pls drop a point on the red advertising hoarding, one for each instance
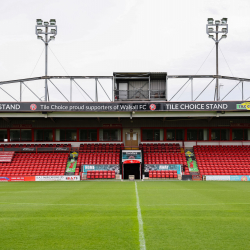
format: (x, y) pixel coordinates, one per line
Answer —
(17, 178)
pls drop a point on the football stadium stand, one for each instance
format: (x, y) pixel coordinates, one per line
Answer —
(35, 164)
(223, 160)
(138, 134)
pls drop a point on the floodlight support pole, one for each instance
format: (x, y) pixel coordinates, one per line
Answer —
(217, 66)
(217, 40)
(46, 62)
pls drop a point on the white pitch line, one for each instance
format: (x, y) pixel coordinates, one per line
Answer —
(141, 233)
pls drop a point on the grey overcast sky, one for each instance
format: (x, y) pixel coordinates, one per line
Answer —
(99, 37)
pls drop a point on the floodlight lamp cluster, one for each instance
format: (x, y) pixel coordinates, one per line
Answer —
(46, 28)
(217, 23)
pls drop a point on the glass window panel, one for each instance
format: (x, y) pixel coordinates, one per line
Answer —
(15, 135)
(93, 134)
(26, 135)
(48, 135)
(179, 134)
(83, 133)
(43, 135)
(88, 134)
(156, 134)
(67, 134)
(135, 136)
(215, 134)
(200, 135)
(110, 134)
(171, 134)
(70, 134)
(224, 134)
(246, 134)
(3, 134)
(192, 134)
(127, 136)
(62, 134)
(237, 134)
(38, 135)
(147, 135)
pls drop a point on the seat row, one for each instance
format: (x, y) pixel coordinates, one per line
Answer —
(160, 158)
(162, 174)
(98, 158)
(159, 145)
(221, 146)
(100, 174)
(6, 156)
(31, 173)
(22, 170)
(96, 162)
(40, 155)
(101, 147)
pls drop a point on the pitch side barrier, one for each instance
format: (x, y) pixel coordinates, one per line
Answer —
(226, 177)
(40, 178)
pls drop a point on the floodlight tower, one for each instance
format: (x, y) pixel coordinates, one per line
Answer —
(43, 29)
(210, 30)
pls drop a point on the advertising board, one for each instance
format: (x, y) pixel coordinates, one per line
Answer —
(239, 177)
(58, 178)
(148, 167)
(111, 167)
(218, 177)
(228, 177)
(16, 178)
(123, 106)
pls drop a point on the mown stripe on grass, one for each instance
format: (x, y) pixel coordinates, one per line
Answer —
(113, 205)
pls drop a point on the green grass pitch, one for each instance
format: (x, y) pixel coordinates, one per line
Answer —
(103, 215)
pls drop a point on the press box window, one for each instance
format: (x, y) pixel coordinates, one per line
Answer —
(220, 134)
(175, 134)
(43, 135)
(66, 134)
(241, 134)
(197, 134)
(110, 134)
(152, 134)
(88, 134)
(20, 135)
(3, 135)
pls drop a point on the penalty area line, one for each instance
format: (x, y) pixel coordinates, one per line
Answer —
(141, 233)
